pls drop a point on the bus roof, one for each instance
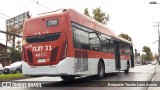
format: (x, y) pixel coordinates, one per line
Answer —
(97, 25)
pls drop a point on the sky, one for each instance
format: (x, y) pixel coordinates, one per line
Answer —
(133, 17)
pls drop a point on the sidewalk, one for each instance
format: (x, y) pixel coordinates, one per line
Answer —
(156, 77)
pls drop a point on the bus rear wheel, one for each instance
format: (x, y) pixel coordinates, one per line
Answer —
(101, 70)
(68, 78)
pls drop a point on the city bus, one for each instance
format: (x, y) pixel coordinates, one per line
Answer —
(69, 44)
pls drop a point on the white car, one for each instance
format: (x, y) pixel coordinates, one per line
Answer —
(1, 68)
(154, 62)
(15, 67)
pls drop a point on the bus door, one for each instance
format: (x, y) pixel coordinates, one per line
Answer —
(117, 55)
(132, 56)
(81, 62)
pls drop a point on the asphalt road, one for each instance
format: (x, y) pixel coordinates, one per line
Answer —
(139, 73)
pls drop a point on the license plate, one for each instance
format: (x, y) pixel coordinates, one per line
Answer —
(41, 60)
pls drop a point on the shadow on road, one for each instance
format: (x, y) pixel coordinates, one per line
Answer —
(82, 82)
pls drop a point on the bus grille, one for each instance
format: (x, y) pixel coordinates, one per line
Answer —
(30, 57)
(45, 38)
(54, 54)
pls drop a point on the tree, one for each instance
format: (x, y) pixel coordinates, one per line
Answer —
(146, 49)
(149, 55)
(18, 46)
(12, 39)
(14, 55)
(143, 57)
(156, 57)
(86, 12)
(125, 36)
(98, 15)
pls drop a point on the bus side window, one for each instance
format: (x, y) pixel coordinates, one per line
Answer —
(106, 44)
(128, 51)
(122, 48)
(94, 40)
(112, 46)
(80, 38)
(125, 48)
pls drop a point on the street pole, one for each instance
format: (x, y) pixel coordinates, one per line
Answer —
(5, 59)
(158, 25)
(154, 2)
(158, 44)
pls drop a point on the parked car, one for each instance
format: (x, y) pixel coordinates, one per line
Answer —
(154, 62)
(149, 62)
(15, 67)
(144, 63)
(1, 68)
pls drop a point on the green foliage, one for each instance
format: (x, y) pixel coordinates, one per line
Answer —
(147, 50)
(125, 36)
(11, 76)
(156, 57)
(143, 57)
(16, 30)
(15, 55)
(98, 15)
(18, 46)
(86, 12)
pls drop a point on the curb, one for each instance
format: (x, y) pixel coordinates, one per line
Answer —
(153, 79)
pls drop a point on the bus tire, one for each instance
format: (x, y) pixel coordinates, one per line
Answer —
(101, 69)
(68, 78)
(128, 66)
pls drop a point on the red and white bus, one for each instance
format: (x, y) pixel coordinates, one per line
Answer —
(69, 44)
